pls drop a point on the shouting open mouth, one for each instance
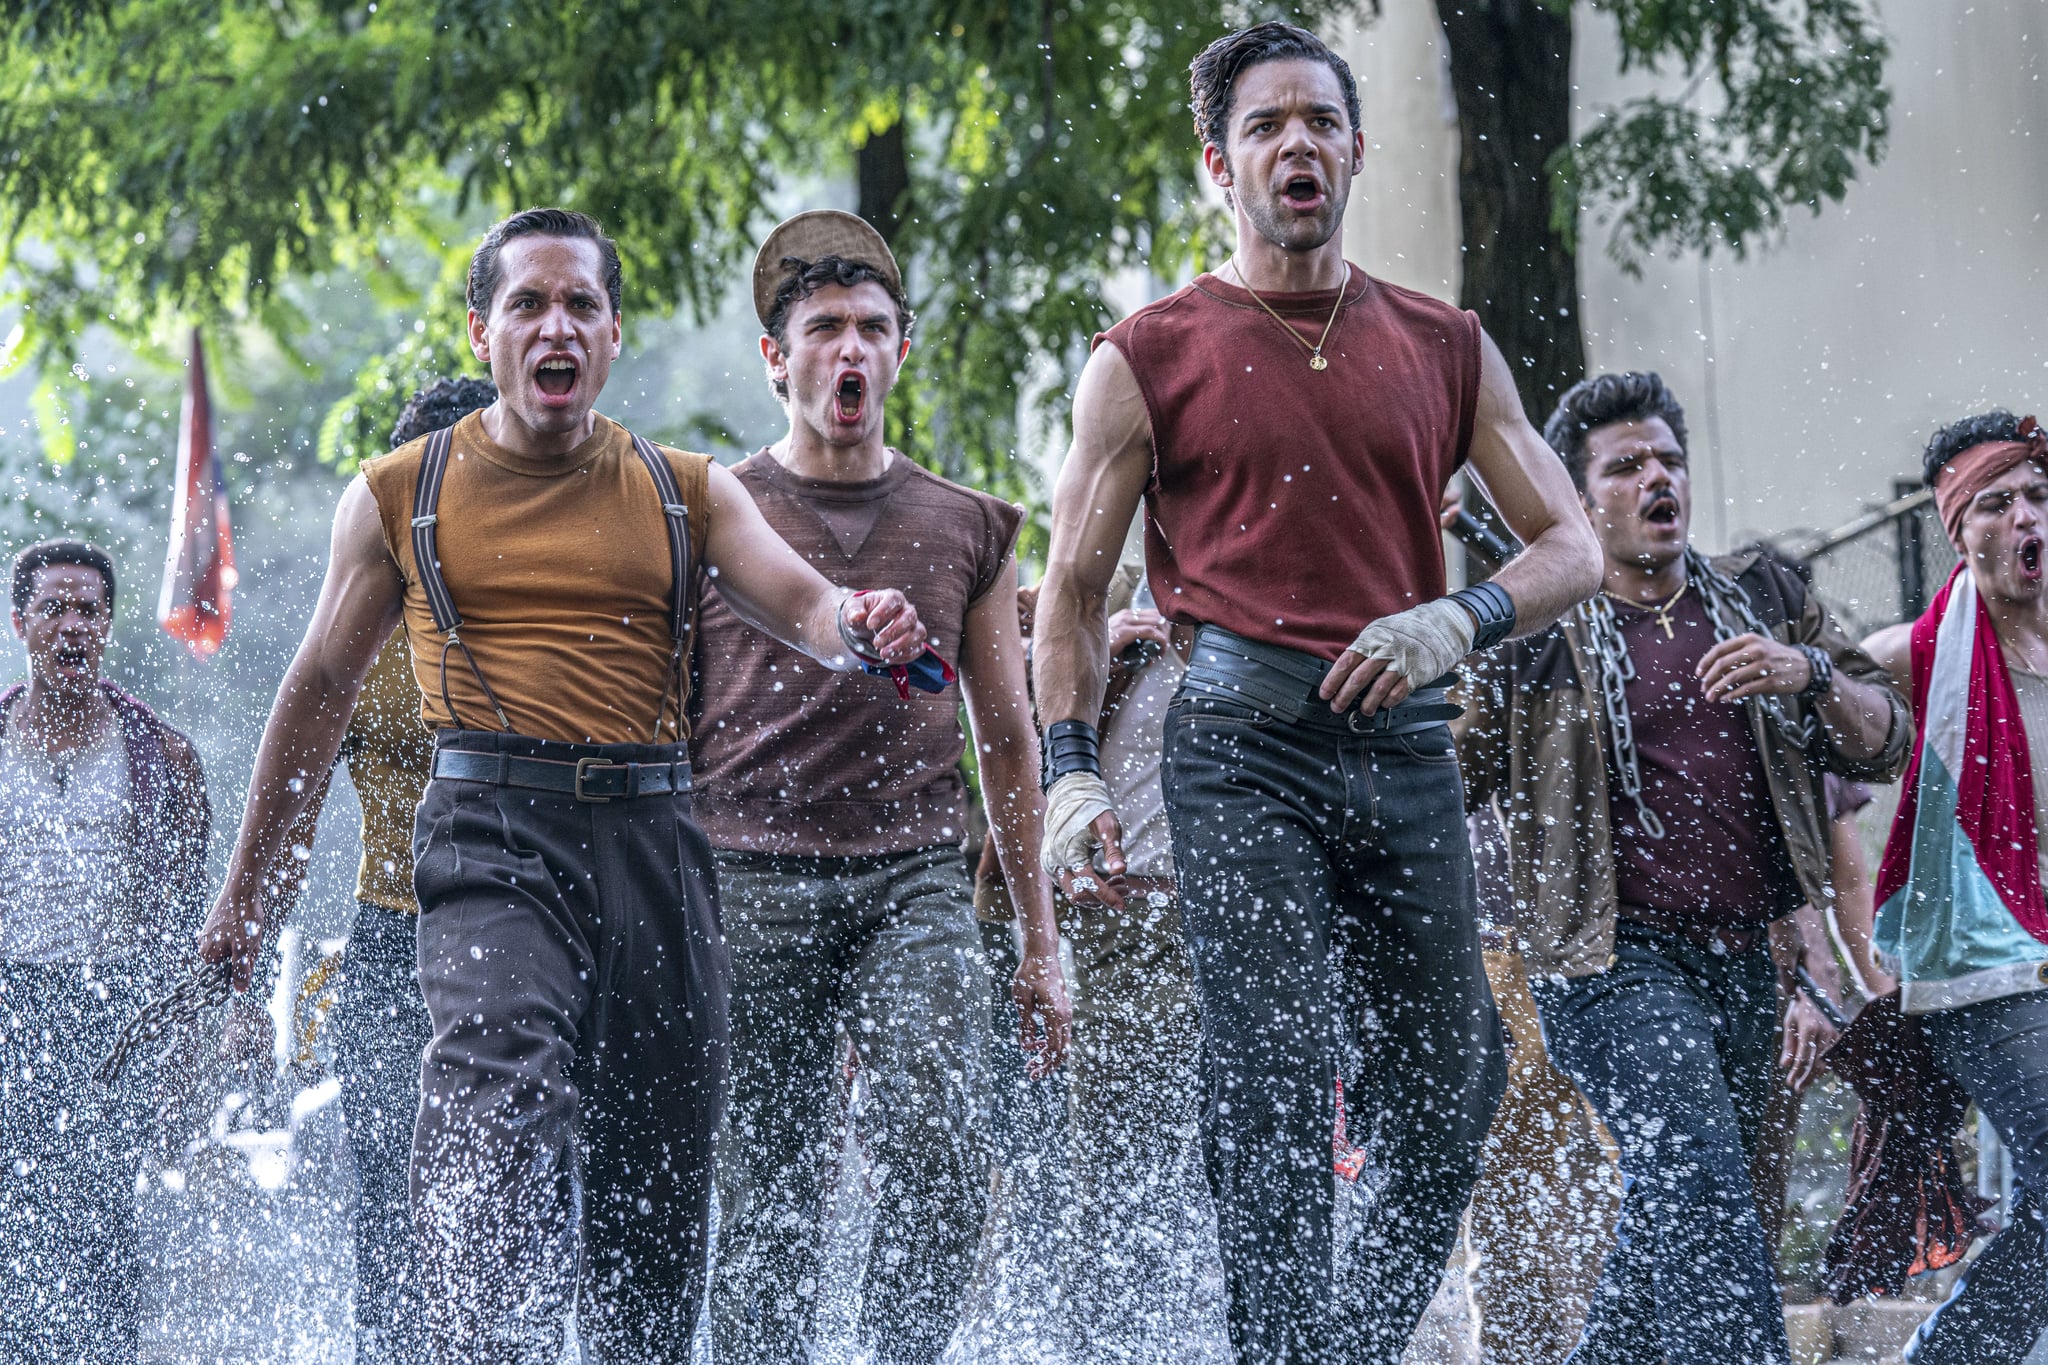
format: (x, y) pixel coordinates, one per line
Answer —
(1303, 193)
(555, 376)
(2030, 559)
(849, 396)
(1661, 510)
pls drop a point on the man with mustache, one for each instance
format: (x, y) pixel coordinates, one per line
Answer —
(1961, 910)
(1657, 757)
(838, 812)
(544, 562)
(1290, 424)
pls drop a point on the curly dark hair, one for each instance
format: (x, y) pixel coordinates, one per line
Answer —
(1957, 437)
(485, 277)
(1606, 398)
(1212, 76)
(806, 278)
(47, 554)
(440, 404)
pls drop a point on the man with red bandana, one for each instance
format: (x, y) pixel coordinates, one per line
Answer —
(1960, 910)
(544, 562)
(837, 809)
(1290, 424)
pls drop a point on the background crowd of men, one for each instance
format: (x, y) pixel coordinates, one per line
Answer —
(670, 833)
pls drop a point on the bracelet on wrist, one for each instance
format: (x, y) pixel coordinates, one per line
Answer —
(1493, 613)
(1823, 669)
(1069, 746)
(866, 653)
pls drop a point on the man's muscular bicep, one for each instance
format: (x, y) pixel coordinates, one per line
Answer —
(1105, 473)
(363, 596)
(1527, 483)
(767, 584)
(1522, 476)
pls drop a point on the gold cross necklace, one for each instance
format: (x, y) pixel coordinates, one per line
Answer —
(1661, 612)
(1315, 352)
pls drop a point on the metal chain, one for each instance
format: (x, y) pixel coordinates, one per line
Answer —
(204, 988)
(1731, 613)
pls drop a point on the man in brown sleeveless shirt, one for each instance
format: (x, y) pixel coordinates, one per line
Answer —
(569, 946)
(1291, 423)
(838, 814)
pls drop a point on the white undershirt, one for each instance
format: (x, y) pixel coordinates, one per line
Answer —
(64, 853)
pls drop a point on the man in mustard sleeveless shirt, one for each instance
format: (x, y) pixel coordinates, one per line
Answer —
(569, 946)
(1291, 424)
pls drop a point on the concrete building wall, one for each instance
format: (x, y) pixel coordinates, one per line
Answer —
(1814, 369)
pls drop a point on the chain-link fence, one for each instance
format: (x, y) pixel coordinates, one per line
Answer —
(1883, 567)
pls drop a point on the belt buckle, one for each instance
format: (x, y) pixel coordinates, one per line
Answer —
(1362, 724)
(584, 766)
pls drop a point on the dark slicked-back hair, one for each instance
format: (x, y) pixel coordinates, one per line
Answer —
(442, 403)
(1957, 437)
(1212, 77)
(45, 554)
(805, 278)
(484, 275)
(1590, 403)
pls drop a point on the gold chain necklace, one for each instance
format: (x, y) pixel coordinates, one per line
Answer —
(1315, 352)
(1662, 613)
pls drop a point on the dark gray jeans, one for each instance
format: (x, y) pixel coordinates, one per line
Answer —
(571, 961)
(1674, 1047)
(69, 1153)
(381, 1030)
(1998, 1050)
(886, 949)
(1326, 886)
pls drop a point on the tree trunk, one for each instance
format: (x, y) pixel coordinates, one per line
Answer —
(1511, 66)
(882, 167)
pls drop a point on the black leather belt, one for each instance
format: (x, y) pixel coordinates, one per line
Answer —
(586, 779)
(1283, 682)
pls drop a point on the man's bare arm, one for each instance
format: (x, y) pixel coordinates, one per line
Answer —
(359, 605)
(773, 589)
(1099, 487)
(1006, 753)
(1528, 486)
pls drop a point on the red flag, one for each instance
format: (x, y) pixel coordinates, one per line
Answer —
(199, 568)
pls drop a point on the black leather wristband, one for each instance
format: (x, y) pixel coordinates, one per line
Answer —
(1070, 746)
(1492, 610)
(1823, 672)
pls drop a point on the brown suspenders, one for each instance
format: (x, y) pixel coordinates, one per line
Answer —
(427, 561)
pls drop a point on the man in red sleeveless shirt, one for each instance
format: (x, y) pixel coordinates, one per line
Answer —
(1291, 423)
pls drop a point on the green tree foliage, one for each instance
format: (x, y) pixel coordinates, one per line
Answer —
(167, 160)
(1794, 98)
(1781, 101)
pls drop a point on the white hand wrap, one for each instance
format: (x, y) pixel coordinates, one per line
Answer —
(1422, 643)
(1071, 809)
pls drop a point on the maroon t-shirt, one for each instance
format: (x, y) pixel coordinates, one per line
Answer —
(1722, 860)
(1288, 504)
(791, 757)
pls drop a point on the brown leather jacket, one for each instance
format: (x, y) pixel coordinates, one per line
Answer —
(1533, 736)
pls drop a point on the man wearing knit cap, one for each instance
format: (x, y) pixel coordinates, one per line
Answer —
(1960, 905)
(1291, 423)
(838, 811)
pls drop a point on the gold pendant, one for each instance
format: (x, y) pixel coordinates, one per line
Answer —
(1316, 362)
(1664, 620)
